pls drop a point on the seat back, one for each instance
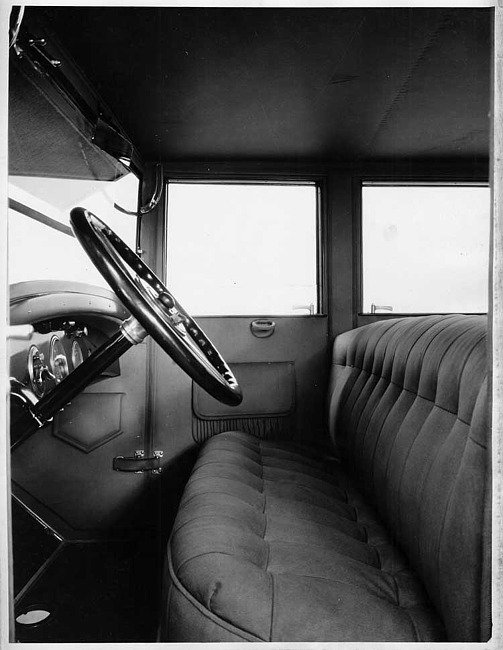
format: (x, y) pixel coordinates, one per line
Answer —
(409, 415)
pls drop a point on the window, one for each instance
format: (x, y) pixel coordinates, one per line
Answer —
(425, 249)
(41, 243)
(243, 249)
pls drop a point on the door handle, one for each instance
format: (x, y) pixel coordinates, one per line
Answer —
(262, 328)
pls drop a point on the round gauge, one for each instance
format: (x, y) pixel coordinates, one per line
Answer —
(77, 354)
(58, 360)
(35, 368)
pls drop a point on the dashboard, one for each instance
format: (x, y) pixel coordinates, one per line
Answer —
(70, 322)
(52, 353)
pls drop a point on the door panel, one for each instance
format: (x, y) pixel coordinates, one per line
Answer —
(268, 389)
(291, 365)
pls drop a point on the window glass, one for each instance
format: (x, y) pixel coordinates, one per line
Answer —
(41, 251)
(425, 249)
(236, 249)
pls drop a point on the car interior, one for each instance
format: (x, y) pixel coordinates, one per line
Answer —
(250, 336)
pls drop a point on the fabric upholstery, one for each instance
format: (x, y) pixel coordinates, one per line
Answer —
(412, 423)
(383, 541)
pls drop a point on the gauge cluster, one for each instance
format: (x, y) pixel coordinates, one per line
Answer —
(51, 354)
(55, 350)
(49, 362)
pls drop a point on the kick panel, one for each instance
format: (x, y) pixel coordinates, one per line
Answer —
(91, 420)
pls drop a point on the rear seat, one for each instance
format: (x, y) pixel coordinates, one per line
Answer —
(388, 541)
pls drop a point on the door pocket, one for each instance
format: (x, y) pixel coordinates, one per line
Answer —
(267, 406)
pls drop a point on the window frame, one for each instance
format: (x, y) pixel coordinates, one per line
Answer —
(317, 180)
(362, 317)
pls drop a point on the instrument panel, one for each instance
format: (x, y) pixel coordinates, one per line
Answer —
(53, 352)
(51, 360)
(55, 349)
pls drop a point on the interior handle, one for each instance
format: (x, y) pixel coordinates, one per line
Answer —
(374, 308)
(262, 328)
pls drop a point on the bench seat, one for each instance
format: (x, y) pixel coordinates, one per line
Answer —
(383, 538)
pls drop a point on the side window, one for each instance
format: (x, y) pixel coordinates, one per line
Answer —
(243, 249)
(425, 249)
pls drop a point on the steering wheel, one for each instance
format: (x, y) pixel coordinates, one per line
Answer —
(156, 309)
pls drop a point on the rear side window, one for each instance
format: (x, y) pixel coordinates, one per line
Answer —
(425, 249)
(243, 249)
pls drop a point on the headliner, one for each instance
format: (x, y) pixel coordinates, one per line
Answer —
(341, 84)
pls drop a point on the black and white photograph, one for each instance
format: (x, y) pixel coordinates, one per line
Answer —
(252, 327)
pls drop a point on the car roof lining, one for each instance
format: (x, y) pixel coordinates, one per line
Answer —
(287, 84)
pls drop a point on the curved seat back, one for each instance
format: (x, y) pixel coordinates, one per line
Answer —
(409, 414)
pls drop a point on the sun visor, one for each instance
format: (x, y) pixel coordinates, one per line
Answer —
(56, 120)
(44, 142)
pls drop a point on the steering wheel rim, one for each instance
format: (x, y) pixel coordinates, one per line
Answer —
(156, 309)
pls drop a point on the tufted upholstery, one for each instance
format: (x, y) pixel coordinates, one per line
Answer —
(385, 540)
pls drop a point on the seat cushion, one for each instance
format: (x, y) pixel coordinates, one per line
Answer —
(274, 543)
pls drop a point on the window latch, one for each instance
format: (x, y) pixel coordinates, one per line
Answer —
(374, 308)
(309, 308)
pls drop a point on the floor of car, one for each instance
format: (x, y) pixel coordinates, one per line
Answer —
(105, 592)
